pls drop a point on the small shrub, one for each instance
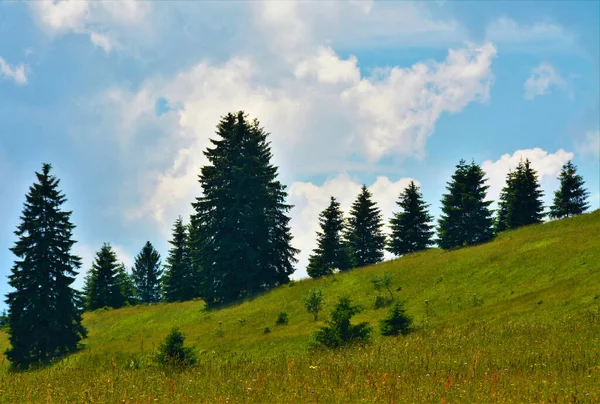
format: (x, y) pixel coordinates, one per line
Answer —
(266, 330)
(314, 302)
(383, 283)
(171, 351)
(397, 321)
(291, 283)
(340, 331)
(282, 318)
(381, 301)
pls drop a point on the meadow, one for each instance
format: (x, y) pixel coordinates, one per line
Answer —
(514, 320)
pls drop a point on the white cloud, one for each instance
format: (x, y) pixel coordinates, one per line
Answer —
(546, 164)
(16, 73)
(310, 199)
(542, 78)
(589, 144)
(101, 21)
(328, 68)
(505, 30)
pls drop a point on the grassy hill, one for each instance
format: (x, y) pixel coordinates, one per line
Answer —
(514, 320)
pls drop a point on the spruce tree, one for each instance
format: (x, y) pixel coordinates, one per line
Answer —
(241, 232)
(102, 284)
(44, 318)
(571, 198)
(179, 282)
(521, 199)
(410, 227)
(466, 218)
(364, 234)
(126, 284)
(146, 274)
(331, 252)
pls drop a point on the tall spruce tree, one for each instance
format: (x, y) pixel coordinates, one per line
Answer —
(466, 218)
(410, 227)
(102, 284)
(126, 284)
(571, 198)
(241, 232)
(332, 252)
(521, 199)
(146, 274)
(180, 283)
(364, 234)
(44, 319)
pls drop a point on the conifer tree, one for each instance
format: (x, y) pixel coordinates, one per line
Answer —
(44, 319)
(571, 198)
(410, 227)
(179, 282)
(331, 252)
(126, 284)
(146, 274)
(364, 234)
(466, 218)
(241, 232)
(102, 286)
(521, 199)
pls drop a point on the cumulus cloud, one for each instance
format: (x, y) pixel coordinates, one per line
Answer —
(15, 73)
(99, 20)
(542, 78)
(546, 164)
(310, 199)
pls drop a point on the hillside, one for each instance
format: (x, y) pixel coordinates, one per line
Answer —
(526, 305)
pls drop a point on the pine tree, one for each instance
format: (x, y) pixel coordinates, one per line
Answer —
(44, 319)
(521, 199)
(364, 234)
(466, 218)
(127, 285)
(102, 284)
(571, 198)
(241, 229)
(410, 227)
(146, 274)
(179, 282)
(331, 252)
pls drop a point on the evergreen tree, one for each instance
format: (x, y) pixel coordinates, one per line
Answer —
(521, 199)
(102, 286)
(364, 234)
(146, 274)
(241, 229)
(331, 252)
(571, 198)
(466, 218)
(410, 227)
(44, 319)
(179, 282)
(127, 285)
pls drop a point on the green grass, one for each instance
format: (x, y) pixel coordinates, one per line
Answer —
(514, 320)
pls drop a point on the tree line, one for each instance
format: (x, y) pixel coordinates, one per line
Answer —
(238, 241)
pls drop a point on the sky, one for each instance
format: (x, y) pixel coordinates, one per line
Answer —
(122, 97)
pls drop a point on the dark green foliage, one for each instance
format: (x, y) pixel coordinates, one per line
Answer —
(314, 302)
(466, 218)
(521, 199)
(410, 227)
(381, 284)
(397, 322)
(266, 330)
(171, 351)
(180, 281)
(102, 282)
(364, 234)
(44, 318)
(282, 318)
(331, 252)
(571, 198)
(146, 274)
(340, 331)
(127, 285)
(241, 238)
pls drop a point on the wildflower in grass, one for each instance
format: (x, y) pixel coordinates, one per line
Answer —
(313, 367)
(428, 374)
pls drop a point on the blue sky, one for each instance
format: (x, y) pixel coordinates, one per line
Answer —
(122, 97)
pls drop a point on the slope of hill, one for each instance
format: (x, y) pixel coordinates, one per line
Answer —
(517, 319)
